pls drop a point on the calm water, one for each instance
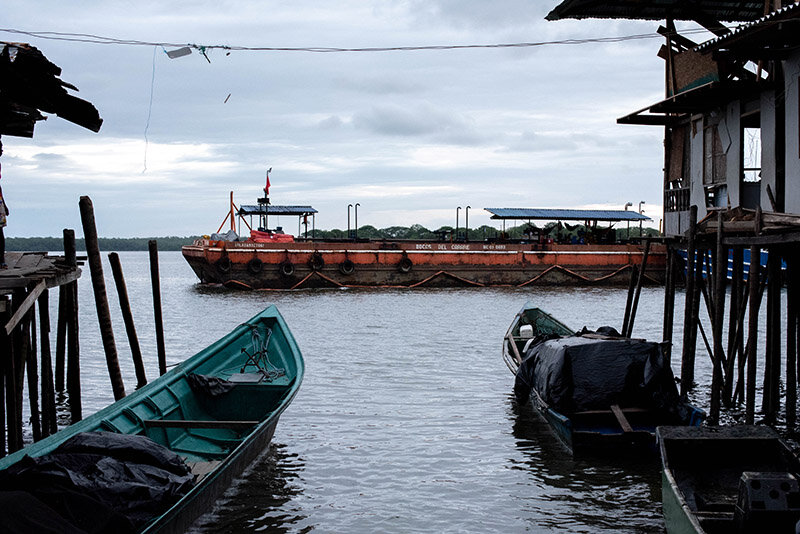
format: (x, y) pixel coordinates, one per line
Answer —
(405, 421)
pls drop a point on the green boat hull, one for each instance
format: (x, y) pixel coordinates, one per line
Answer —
(218, 436)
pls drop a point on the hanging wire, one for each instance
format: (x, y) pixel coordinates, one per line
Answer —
(100, 39)
(149, 109)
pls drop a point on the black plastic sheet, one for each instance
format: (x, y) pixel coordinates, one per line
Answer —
(580, 373)
(94, 482)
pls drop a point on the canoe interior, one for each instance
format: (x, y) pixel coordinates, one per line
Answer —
(703, 469)
(543, 324)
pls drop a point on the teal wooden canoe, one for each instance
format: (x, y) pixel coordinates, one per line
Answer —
(601, 393)
(217, 410)
(728, 479)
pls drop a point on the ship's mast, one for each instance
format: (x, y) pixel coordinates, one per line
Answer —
(263, 204)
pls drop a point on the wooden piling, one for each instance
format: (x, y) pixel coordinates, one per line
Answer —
(101, 297)
(669, 302)
(127, 316)
(33, 375)
(72, 328)
(639, 283)
(791, 341)
(754, 275)
(61, 337)
(4, 342)
(156, 283)
(49, 419)
(720, 275)
(772, 363)
(689, 328)
(629, 300)
(735, 336)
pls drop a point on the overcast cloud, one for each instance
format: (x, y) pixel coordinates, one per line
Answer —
(408, 135)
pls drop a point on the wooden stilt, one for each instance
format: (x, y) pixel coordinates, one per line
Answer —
(156, 283)
(629, 301)
(127, 316)
(689, 328)
(752, 334)
(33, 375)
(772, 364)
(720, 272)
(639, 283)
(49, 421)
(669, 302)
(791, 343)
(5, 351)
(101, 297)
(734, 330)
(61, 337)
(73, 345)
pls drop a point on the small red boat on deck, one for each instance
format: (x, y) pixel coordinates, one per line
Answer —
(271, 259)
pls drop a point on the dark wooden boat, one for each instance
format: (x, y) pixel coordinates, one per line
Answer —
(728, 479)
(217, 433)
(601, 393)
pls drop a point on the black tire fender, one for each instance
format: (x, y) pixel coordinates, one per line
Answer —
(286, 268)
(347, 267)
(255, 266)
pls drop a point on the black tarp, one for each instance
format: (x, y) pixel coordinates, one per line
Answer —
(94, 482)
(580, 373)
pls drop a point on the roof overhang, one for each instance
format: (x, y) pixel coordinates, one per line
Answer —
(699, 99)
(276, 210)
(545, 214)
(696, 10)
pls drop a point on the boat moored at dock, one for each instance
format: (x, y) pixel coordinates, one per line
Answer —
(204, 421)
(601, 393)
(728, 479)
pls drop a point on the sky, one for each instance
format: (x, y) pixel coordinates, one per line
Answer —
(409, 135)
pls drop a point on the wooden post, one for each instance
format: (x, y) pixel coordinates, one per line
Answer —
(629, 302)
(734, 322)
(5, 349)
(49, 419)
(689, 328)
(33, 375)
(772, 364)
(791, 342)
(669, 302)
(127, 315)
(754, 277)
(19, 353)
(61, 337)
(72, 327)
(156, 283)
(639, 283)
(720, 276)
(100, 297)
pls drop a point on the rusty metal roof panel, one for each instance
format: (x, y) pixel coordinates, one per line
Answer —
(565, 214)
(721, 10)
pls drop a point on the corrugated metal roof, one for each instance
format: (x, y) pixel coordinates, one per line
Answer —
(277, 210)
(790, 11)
(720, 10)
(565, 214)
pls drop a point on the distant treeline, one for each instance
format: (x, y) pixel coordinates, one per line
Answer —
(564, 232)
(54, 244)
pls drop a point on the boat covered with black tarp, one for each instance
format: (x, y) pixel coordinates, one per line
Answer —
(599, 391)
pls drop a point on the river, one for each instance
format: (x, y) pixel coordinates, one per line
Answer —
(405, 421)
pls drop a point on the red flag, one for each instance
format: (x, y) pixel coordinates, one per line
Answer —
(266, 189)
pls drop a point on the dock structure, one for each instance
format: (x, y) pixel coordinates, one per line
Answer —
(731, 183)
(30, 88)
(25, 286)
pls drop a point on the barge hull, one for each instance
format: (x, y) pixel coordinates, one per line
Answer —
(416, 264)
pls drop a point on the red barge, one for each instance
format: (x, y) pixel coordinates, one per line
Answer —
(273, 260)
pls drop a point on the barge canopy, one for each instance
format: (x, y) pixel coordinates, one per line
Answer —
(530, 214)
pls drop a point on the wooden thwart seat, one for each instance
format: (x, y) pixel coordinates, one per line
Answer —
(189, 423)
(621, 419)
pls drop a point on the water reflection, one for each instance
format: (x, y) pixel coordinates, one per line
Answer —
(260, 502)
(583, 494)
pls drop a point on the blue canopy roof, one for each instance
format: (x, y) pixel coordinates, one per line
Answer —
(277, 210)
(565, 214)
